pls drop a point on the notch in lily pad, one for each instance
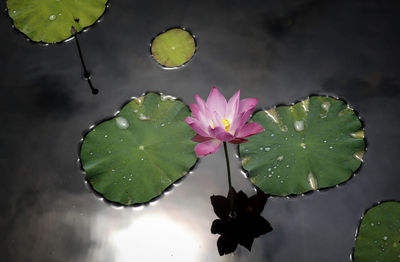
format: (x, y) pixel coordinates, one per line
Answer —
(173, 48)
(378, 237)
(55, 21)
(313, 144)
(135, 156)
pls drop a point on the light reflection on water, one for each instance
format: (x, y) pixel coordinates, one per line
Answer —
(161, 232)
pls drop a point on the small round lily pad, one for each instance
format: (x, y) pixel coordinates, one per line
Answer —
(378, 237)
(51, 21)
(133, 157)
(173, 48)
(316, 143)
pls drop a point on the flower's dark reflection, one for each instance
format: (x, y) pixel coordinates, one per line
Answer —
(242, 225)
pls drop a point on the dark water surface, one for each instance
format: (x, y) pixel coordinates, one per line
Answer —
(277, 51)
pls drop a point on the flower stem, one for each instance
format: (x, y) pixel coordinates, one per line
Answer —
(230, 194)
(86, 73)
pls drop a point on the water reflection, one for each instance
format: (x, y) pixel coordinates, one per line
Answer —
(161, 232)
(244, 226)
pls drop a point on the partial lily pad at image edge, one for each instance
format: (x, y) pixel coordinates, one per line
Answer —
(133, 157)
(50, 21)
(316, 143)
(378, 237)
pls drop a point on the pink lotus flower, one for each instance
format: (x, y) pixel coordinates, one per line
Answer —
(217, 121)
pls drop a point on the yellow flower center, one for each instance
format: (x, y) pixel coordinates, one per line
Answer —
(226, 124)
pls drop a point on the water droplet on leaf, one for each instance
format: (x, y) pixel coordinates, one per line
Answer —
(143, 117)
(326, 106)
(298, 125)
(122, 123)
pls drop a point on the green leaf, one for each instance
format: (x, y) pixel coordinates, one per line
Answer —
(146, 147)
(378, 237)
(50, 21)
(173, 48)
(316, 143)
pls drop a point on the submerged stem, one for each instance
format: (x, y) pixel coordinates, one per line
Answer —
(230, 194)
(86, 73)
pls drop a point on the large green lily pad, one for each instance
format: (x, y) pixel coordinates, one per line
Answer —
(313, 144)
(378, 237)
(50, 21)
(146, 147)
(173, 48)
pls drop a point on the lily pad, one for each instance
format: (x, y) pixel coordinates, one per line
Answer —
(378, 237)
(50, 21)
(173, 48)
(133, 157)
(316, 143)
